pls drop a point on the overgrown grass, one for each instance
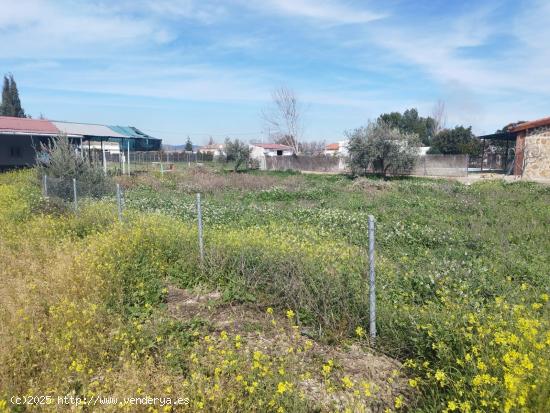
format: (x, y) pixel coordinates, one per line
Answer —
(463, 278)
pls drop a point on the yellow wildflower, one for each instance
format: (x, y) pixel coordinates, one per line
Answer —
(440, 376)
(452, 406)
(347, 382)
(398, 402)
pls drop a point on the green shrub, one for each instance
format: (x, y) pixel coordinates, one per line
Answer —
(61, 163)
(383, 149)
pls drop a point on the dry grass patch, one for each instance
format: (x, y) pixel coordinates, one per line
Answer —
(200, 179)
(330, 377)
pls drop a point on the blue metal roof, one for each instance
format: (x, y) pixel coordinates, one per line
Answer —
(130, 132)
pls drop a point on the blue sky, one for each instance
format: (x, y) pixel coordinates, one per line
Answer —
(206, 67)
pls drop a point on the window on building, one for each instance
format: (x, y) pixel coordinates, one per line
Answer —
(279, 153)
(15, 152)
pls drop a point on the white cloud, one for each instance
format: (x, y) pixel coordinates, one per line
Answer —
(40, 29)
(439, 50)
(206, 12)
(129, 47)
(326, 11)
(191, 82)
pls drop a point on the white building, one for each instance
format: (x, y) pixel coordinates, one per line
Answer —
(109, 147)
(215, 149)
(337, 149)
(261, 150)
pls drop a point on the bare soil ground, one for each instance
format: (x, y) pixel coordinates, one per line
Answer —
(259, 332)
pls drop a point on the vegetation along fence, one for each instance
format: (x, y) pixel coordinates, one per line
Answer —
(151, 161)
(118, 163)
(72, 193)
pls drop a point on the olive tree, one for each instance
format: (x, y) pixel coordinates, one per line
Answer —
(237, 151)
(382, 148)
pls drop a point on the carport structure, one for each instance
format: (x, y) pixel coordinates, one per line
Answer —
(529, 155)
(497, 153)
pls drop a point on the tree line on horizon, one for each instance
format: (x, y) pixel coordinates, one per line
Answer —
(285, 122)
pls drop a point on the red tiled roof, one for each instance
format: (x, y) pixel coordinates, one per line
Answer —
(332, 147)
(531, 124)
(272, 146)
(11, 124)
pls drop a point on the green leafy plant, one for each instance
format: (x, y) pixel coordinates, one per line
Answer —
(382, 148)
(238, 152)
(61, 163)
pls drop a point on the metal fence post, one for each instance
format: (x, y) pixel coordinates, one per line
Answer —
(119, 202)
(45, 186)
(372, 285)
(128, 166)
(75, 196)
(104, 162)
(199, 221)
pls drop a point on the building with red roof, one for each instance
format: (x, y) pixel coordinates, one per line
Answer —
(532, 151)
(337, 149)
(527, 148)
(21, 137)
(11, 125)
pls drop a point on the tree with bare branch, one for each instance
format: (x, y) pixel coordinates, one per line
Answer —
(283, 120)
(439, 115)
(313, 148)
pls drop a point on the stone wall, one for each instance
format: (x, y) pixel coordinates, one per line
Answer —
(537, 154)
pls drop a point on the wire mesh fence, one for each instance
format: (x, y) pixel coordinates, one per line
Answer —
(78, 193)
(125, 163)
(64, 188)
(75, 194)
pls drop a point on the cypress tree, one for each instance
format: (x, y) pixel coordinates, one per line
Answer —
(11, 104)
(188, 145)
(18, 111)
(6, 107)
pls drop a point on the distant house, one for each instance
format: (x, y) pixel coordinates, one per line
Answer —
(216, 150)
(18, 139)
(337, 149)
(261, 150)
(21, 137)
(527, 148)
(112, 148)
(532, 150)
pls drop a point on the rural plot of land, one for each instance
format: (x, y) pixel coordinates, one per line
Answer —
(275, 318)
